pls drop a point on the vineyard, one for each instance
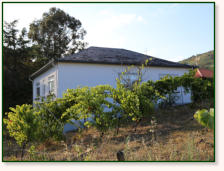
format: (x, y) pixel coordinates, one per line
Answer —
(125, 118)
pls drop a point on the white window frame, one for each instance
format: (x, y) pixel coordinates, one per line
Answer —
(44, 89)
(51, 84)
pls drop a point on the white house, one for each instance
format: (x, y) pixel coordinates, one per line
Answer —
(97, 65)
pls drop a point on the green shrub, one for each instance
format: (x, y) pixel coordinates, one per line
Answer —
(50, 112)
(205, 117)
(109, 107)
(91, 102)
(22, 123)
(165, 88)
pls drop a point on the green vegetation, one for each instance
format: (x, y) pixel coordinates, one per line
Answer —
(35, 132)
(124, 106)
(204, 60)
(24, 52)
(57, 34)
(23, 125)
(205, 117)
(179, 139)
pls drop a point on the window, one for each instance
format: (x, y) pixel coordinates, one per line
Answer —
(51, 86)
(128, 79)
(37, 89)
(44, 89)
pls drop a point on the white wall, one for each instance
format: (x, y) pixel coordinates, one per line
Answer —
(72, 75)
(43, 79)
(155, 73)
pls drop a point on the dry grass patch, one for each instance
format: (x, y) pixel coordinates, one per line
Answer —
(178, 137)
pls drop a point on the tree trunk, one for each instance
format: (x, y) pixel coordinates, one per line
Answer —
(102, 134)
(137, 125)
(118, 126)
(23, 149)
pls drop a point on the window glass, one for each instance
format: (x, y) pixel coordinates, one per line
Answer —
(44, 90)
(51, 84)
(129, 78)
(38, 91)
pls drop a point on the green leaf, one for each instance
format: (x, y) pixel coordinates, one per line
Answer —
(205, 117)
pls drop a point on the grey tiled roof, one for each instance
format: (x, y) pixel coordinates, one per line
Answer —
(102, 55)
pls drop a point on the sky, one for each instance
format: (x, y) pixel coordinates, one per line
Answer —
(171, 31)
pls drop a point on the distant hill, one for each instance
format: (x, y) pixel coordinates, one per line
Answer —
(205, 60)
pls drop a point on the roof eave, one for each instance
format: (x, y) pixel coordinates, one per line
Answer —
(124, 63)
(44, 68)
(53, 62)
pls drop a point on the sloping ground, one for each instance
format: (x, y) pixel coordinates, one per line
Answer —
(205, 60)
(177, 137)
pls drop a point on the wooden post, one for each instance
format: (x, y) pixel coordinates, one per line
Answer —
(120, 156)
(23, 149)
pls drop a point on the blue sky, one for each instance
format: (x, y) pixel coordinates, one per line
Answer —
(170, 31)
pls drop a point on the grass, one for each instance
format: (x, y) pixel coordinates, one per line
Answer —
(177, 137)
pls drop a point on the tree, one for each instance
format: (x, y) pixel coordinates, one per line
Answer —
(17, 66)
(57, 34)
(22, 123)
(136, 98)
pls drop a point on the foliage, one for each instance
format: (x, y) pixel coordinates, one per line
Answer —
(167, 85)
(205, 117)
(50, 111)
(22, 124)
(137, 98)
(110, 107)
(17, 66)
(201, 88)
(32, 152)
(28, 124)
(95, 103)
(128, 101)
(165, 88)
(54, 35)
(105, 107)
(57, 34)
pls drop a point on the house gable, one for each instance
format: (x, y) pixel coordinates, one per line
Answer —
(47, 82)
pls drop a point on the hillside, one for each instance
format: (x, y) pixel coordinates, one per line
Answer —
(205, 60)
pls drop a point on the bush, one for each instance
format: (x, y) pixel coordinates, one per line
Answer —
(200, 88)
(50, 113)
(22, 124)
(165, 88)
(96, 103)
(107, 106)
(205, 117)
